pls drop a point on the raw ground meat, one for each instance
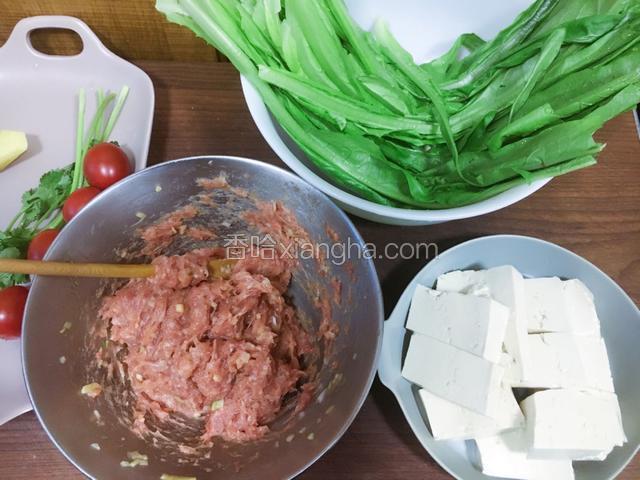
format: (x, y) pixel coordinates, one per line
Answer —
(226, 351)
(229, 353)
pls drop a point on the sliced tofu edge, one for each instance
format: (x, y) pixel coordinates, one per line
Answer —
(450, 421)
(474, 324)
(505, 456)
(546, 411)
(566, 360)
(583, 314)
(546, 309)
(453, 374)
(494, 283)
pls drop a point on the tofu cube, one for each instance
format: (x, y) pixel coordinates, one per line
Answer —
(564, 360)
(474, 324)
(556, 306)
(506, 456)
(449, 421)
(454, 375)
(582, 308)
(546, 307)
(574, 424)
(506, 286)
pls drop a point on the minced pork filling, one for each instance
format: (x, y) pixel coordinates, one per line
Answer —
(227, 351)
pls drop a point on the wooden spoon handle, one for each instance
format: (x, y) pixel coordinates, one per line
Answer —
(63, 269)
(219, 268)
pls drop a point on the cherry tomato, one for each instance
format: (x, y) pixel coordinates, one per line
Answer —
(77, 201)
(12, 302)
(40, 244)
(106, 164)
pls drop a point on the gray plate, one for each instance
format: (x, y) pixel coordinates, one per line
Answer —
(620, 328)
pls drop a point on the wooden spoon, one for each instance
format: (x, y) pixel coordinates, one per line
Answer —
(218, 268)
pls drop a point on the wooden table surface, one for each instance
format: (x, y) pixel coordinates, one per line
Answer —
(595, 212)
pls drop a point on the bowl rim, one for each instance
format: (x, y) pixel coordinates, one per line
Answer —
(260, 114)
(395, 332)
(377, 303)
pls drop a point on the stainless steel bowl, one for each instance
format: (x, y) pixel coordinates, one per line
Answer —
(109, 223)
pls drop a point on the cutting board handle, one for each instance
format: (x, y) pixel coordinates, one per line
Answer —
(19, 41)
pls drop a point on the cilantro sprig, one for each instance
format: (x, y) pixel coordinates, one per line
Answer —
(41, 205)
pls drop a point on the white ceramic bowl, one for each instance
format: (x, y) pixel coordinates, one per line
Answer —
(619, 316)
(426, 28)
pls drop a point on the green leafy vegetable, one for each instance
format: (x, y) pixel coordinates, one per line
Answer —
(12, 245)
(483, 118)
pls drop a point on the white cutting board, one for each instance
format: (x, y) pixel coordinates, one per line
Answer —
(39, 95)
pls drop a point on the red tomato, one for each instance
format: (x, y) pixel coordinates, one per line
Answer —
(106, 164)
(77, 201)
(40, 244)
(12, 302)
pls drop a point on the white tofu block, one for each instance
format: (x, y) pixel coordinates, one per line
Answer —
(567, 423)
(453, 374)
(595, 359)
(505, 456)
(449, 421)
(564, 360)
(582, 309)
(474, 324)
(505, 285)
(546, 308)
(556, 306)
